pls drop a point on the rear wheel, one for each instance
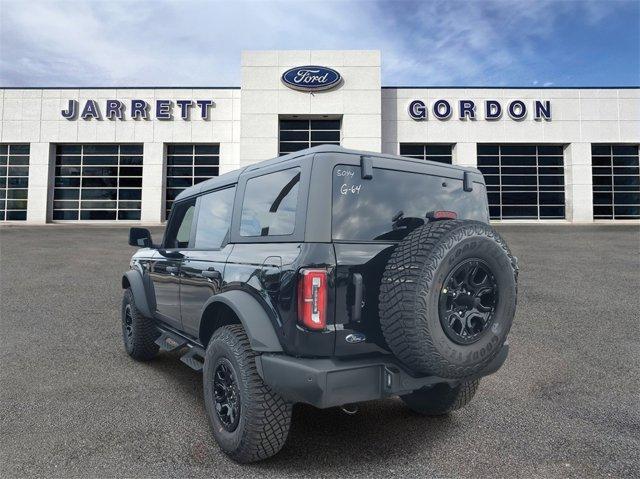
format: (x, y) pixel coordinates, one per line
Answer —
(441, 399)
(139, 333)
(249, 421)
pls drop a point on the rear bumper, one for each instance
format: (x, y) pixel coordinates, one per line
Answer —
(333, 382)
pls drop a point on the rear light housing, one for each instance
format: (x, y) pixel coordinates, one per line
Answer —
(441, 215)
(312, 299)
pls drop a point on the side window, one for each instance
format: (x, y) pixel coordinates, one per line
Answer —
(269, 206)
(214, 218)
(179, 229)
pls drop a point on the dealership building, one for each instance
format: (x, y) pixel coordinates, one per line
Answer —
(123, 154)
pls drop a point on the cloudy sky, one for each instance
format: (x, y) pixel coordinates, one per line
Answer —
(198, 43)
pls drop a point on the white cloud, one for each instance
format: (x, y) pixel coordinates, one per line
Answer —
(198, 43)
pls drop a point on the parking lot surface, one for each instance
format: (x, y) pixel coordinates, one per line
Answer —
(566, 403)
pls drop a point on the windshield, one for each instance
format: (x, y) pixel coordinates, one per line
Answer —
(393, 203)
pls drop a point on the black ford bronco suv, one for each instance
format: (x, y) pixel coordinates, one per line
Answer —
(327, 277)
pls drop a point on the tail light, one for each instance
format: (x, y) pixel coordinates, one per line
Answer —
(312, 298)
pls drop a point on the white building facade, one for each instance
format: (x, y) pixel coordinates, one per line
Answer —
(123, 154)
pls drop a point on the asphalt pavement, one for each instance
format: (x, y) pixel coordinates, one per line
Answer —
(566, 403)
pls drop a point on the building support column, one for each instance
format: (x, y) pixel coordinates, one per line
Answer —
(465, 154)
(578, 183)
(41, 174)
(153, 179)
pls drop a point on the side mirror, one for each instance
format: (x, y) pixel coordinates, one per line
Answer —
(140, 237)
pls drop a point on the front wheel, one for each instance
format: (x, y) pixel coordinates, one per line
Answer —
(139, 333)
(249, 421)
(441, 399)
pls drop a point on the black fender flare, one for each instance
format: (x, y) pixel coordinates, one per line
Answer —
(253, 317)
(136, 283)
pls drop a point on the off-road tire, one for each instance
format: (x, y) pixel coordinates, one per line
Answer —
(410, 292)
(441, 399)
(265, 416)
(140, 335)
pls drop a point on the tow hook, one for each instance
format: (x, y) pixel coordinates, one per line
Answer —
(350, 409)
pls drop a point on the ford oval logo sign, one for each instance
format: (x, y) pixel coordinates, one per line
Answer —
(311, 78)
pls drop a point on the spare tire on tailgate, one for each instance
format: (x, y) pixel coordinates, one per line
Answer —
(448, 297)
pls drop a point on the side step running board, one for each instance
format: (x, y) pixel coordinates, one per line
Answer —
(194, 358)
(168, 341)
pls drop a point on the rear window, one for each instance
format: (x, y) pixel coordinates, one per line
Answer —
(393, 203)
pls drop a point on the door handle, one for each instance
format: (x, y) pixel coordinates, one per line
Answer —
(172, 269)
(212, 274)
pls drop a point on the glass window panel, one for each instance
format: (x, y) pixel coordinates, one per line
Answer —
(629, 211)
(68, 160)
(518, 180)
(488, 161)
(129, 205)
(325, 125)
(206, 160)
(625, 161)
(551, 180)
(552, 212)
(3, 194)
(294, 124)
(16, 182)
(407, 149)
(66, 205)
(494, 212)
(4, 149)
(522, 212)
(601, 150)
(550, 161)
(131, 150)
(178, 231)
(19, 160)
(626, 180)
(512, 198)
(100, 160)
(110, 205)
(180, 171)
(214, 219)
(68, 149)
(173, 160)
(438, 149)
(551, 170)
(602, 198)
(16, 204)
(130, 182)
(19, 149)
(601, 161)
(602, 170)
(205, 171)
(174, 149)
(99, 182)
(131, 160)
(100, 149)
(130, 194)
(518, 160)
(519, 170)
(296, 135)
(179, 182)
(550, 150)
(3, 160)
(99, 171)
(67, 181)
(97, 215)
(212, 149)
(318, 136)
(625, 150)
(66, 194)
(18, 171)
(130, 171)
(528, 150)
(17, 194)
(626, 198)
(99, 194)
(270, 203)
(554, 198)
(16, 215)
(487, 149)
(626, 170)
(129, 215)
(65, 214)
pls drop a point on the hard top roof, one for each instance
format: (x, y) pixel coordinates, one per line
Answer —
(232, 177)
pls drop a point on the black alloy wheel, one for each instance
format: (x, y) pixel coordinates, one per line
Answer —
(227, 395)
(468, 301)
(127, 324)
